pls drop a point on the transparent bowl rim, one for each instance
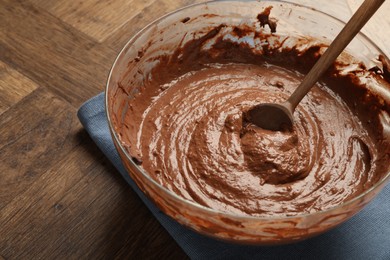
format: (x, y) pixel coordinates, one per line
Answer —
(237, 216)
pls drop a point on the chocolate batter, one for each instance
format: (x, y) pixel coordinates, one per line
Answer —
(186, 127)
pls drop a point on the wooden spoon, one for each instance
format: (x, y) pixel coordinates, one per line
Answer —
(273, 116)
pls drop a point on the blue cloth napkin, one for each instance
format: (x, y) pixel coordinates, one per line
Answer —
(365, 236)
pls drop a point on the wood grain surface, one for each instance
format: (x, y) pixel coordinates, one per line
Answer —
(60, 198)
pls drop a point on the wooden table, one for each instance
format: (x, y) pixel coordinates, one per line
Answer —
(59, 196)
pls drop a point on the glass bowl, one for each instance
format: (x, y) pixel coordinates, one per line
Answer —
(163, 36)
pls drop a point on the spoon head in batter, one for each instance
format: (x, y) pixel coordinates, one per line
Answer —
(271, 116)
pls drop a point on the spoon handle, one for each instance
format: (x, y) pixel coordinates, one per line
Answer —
(357, 21)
